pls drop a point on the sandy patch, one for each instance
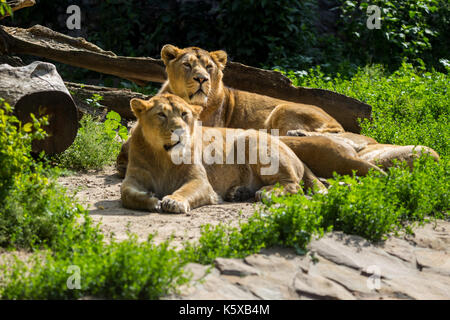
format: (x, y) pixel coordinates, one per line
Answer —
(100, 192)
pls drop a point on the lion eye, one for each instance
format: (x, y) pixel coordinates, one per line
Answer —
(209, 66)
(184, 114)
(162, 115)
(187, 65)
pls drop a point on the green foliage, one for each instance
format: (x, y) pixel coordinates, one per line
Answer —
(372, 207)
(96, 144)
(15, 145)
(410, 106)
(294, 34)
(409, 28)
(34, 209)
(288, 226)
(375, 205)
(5, 8)
(275, 31)
(94, 101)
(118, 270)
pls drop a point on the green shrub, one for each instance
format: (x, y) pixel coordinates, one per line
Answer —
(118, 270)
(5, 8)
(409, 107)
(34, 209)
(96, 145)
(416, 29)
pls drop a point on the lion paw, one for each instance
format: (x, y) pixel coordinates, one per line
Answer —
(238, 193)
(175, 204)
(261, 195)
(154, 205)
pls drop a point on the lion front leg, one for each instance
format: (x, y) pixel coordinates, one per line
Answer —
(134, 196)
(193, 194)
(122, 159)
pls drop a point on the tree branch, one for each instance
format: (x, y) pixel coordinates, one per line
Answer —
(43, 42)
(114, 99)
(17, 5)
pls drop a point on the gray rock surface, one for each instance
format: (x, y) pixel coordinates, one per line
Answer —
(337, 266)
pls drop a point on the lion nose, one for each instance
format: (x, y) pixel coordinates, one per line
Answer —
(179, 131)
(200, 79)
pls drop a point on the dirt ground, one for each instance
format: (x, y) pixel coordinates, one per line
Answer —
(100, 192)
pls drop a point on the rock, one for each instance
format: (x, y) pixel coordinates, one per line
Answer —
(424, 286)
(198, 271)
(267, 288)
(312, 286)
(215, 287)
(356, 253)
(234, 267)
(400, 248)
(349, 278)
(433, 261)
(432, 236)
(344, 267)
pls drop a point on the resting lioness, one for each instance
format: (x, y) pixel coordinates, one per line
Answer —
(196, 76)
(369, 150)
(162, 163)
(323, 155)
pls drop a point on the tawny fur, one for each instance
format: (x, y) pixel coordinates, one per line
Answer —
(383, 155)
(192, 69)
(152, 174)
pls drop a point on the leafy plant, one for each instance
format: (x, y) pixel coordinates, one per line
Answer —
(5, 8)
(34, 209)
(117, 270)
(96, 144)
(409, 28)
(94, 101)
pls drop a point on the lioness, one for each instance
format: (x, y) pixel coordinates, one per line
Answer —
(369, 150)
(196, 76)
(166, 133)
(323, 155)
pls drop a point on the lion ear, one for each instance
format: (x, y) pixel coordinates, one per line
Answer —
(220, 57)
(138, 106)
(196, 110)
(169, 52)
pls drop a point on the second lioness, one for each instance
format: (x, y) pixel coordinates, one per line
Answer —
(158, 167)
(196, 76)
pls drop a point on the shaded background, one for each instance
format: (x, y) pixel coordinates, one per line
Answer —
(287, 34)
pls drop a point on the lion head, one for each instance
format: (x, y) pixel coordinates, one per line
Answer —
(193, 73)
(166, 120)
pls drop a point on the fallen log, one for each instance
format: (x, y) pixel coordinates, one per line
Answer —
(113, 98)
(43, 42)
(17, 5)
(37, 88)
